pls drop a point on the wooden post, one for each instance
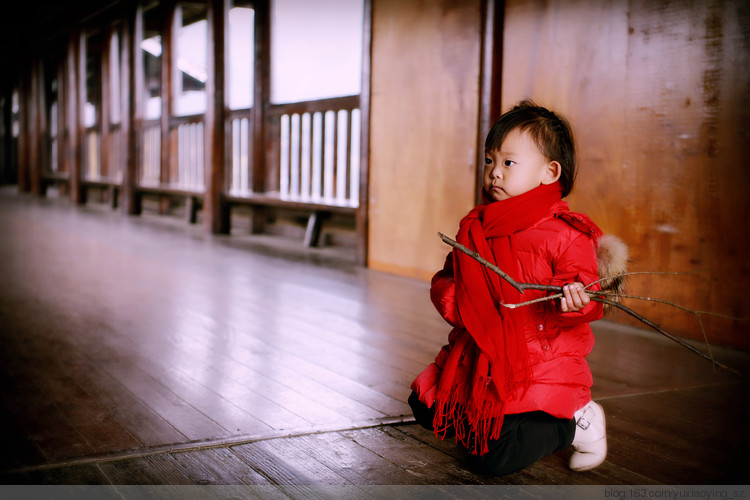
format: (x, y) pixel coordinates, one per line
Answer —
(131, 102)
(105, 104)
(215, 210)
(7, 173)
(73, 112)
(364, 141)
(260, 103)
(77, 80)
(32, 131)
(167, 97)
(314, 226)
(44, 132)
(491, 59)
(62, 120)
(24, 184)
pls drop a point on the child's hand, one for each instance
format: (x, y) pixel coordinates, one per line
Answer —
(574, 297)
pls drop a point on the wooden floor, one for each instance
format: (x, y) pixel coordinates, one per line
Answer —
(139, 351)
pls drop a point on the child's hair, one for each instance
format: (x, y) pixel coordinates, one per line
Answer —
(551, 133)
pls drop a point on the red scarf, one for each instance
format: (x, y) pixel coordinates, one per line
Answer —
(489, 361)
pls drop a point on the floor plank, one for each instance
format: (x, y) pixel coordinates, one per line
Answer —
(149, 470)
(89, 474)
(141, 351)
(285, 464)
(672, 434)
(426, 464)
(218, 466)
(16, 436)
(357, 464)
(140, 420)
(166, 402)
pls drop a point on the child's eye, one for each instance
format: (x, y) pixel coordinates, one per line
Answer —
(509, 163)
(487, 160)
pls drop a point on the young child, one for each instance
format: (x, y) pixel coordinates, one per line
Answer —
(513, 385)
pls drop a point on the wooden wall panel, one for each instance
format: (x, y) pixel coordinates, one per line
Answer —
(658, 95)
(425, 89)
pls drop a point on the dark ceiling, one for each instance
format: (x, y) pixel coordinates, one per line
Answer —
(32, 26)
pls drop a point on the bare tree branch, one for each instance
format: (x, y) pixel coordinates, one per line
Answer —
(597, 296)
(481, 260)
(659, 329)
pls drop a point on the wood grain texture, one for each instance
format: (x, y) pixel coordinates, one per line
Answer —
(657, 95)
(141, 352)
(425, 86)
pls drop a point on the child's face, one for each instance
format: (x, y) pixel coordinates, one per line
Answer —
(517, 167)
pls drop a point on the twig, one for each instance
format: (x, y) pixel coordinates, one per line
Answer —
(533, 301)
(667, 334)
(481, 260)
(705, 338)
(676, 306)
(518, 286)
(595, 295)
(633, 273)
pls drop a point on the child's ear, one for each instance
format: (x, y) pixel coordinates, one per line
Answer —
(552, 172)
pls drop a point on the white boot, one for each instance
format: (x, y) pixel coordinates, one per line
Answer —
(590, 441)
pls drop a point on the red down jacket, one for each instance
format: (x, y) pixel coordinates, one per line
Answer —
(556, 250)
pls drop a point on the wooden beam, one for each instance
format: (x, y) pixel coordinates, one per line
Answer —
(38, 185)
(491, 60)
(215, 210)
(168, 152)
(33, 123)
(79, 194)
(314, 226)
(24, 184)
(261, 97)
(105, 104)
(62, 117)
(8, 171)
(74, 124)
(364, 141)
(131, 101)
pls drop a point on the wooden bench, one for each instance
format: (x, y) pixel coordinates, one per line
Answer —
(318, 212)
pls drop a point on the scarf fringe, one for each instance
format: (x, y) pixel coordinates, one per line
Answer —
(475, 423)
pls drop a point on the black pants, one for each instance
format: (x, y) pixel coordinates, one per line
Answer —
(524, 439)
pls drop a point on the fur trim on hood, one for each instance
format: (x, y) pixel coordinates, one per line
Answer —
(612, 260)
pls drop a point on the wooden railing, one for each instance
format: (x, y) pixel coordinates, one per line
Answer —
(316, 151)
(150, 160)
(314, 155)
(92, 147)
(240, 153)
(114, 162)
(303, 157)
(311, 164)
(103, 166)
(187, 168)
(185, 171)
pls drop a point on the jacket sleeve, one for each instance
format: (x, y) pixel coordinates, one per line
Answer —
(443, 293)
(577, 262)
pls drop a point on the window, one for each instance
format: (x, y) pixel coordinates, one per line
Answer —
(114, 78)
(15, 113)
(240, 52)
(152, 48)
(54, 118)
(92, 108)
(316, 49)
(190, 61)
(93, 80)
